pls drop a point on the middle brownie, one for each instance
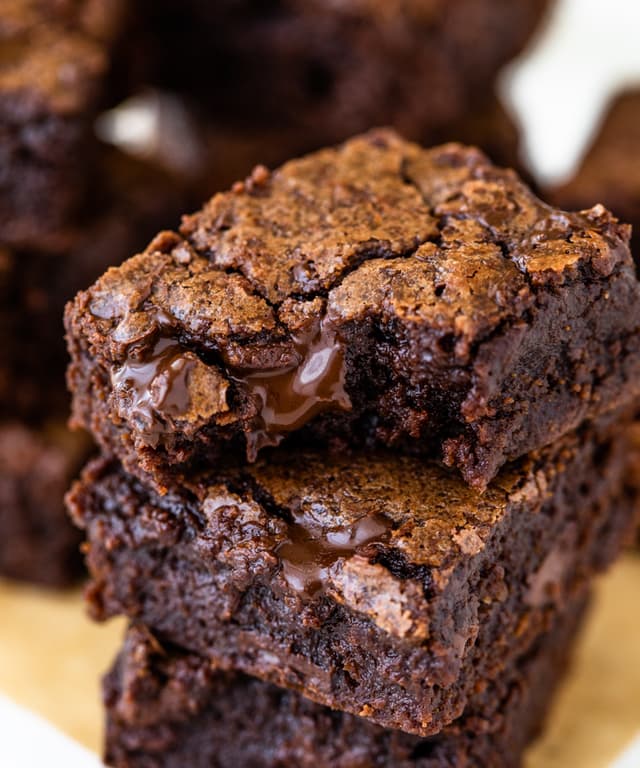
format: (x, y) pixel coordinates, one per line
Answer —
(376, 584)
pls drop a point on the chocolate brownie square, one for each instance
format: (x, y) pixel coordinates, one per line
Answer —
(168, 708)
(54, 73)
(37, 544)
(377, 293)
(610, 172)
(377, 584)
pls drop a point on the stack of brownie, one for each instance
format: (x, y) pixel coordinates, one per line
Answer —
(68, 208)
(365, 432)
(291, 76)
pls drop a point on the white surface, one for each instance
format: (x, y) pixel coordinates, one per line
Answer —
(560, 88)
(631, 757)
(26, 741)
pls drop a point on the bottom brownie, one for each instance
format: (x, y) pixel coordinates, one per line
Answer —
(37, 543)
(168, 708)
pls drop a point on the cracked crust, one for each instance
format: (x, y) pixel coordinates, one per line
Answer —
(454, 304)
(376, 584)
(167, 708)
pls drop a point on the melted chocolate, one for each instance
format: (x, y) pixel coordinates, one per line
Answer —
(156, 385)
(311, 550)
(292, 396)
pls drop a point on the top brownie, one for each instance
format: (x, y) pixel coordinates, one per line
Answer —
(54, 70)
(373, 293)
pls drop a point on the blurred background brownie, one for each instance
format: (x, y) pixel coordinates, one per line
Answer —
(36, 466)
(328, 70)
(610, 172)
(54, 77)
(264, 81)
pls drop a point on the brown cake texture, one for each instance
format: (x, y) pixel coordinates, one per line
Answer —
(376, 293)
(377, 584)
(168, 708)
(610, 171)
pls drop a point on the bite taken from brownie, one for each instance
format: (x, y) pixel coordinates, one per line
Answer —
(375, 583)
(166, 707)
(377, 293)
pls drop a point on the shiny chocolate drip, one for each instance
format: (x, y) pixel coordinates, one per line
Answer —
(311, 550)
(158, 382)
(292, 396)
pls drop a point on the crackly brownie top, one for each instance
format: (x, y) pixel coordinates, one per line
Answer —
(374, 529)
(376, 228)
(52, 52)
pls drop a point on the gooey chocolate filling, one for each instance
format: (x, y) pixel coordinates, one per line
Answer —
(292, 396)
(157, 386)
(311, 550)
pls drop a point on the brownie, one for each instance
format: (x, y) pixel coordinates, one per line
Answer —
(610, 172)
(373, 293)
(326, 70)
(54, 75)
(166, 708)
(37, 544)
(377, 584)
